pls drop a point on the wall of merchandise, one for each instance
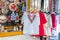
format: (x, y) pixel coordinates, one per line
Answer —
(11, 12)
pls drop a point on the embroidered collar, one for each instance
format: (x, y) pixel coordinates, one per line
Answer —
(31, 17)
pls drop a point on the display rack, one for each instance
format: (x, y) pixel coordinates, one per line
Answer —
(5, 33)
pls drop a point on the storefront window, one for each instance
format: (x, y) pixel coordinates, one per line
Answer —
(11, 12)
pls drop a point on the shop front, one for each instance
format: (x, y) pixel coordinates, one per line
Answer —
(11, 12)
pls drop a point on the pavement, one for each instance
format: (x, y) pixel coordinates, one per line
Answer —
(20, 37)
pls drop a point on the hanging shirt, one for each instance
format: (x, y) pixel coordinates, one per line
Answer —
(13, 16)
(53, 20)
(53, 29)
(0, 5)
(4, 10)
(3, 18)
(42, 22)
(30, 28)
(9, 18)
(23, 9)
(17, 18)
(48, 25)
(58, 23)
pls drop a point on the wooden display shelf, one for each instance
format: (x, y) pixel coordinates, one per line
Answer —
(5, 34)
(8, 27)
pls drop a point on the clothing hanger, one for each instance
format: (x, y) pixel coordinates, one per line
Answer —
(55, 13)
(42, 10)
(48, 13)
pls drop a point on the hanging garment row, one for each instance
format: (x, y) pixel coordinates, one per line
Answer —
(45, 19)
(38, 23)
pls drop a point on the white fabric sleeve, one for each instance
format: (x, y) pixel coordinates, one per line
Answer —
(22, 19)
(46, 24)
(38, 18)
(50, 22)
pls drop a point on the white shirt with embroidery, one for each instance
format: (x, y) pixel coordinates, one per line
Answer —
(48, 25)
(30, 28)
(58, 23)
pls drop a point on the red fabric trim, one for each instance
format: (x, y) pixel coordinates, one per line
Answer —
(53, 20)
